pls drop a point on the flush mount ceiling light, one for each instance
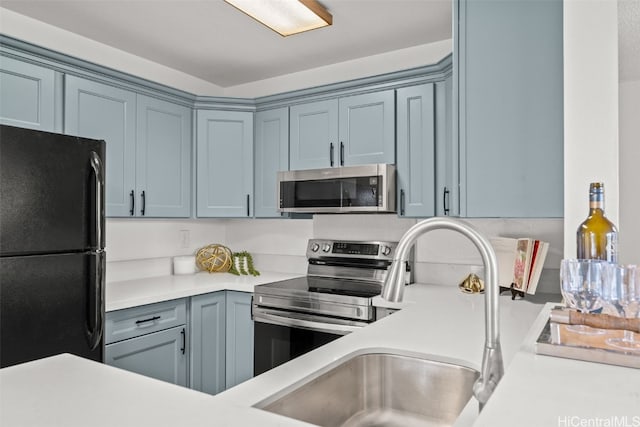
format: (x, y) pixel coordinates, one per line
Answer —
(286, 17)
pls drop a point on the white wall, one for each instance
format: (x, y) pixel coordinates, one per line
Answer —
(590, 110)
(629, 172)
(398, 60)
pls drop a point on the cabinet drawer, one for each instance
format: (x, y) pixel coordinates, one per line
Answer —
(137, 321)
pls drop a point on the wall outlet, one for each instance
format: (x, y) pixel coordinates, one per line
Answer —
(185, 238)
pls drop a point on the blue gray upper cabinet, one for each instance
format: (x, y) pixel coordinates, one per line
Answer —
(416, 151)
(224, 163)
(148, 147)
(352, 130)
(366, 129)
(27, 95)
(509, 60)
(163, 166)
(447, 158)
(271, 156)
(96, 110)
(314, 135)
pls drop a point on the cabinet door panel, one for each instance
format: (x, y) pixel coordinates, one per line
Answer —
(447, 160)
(239, 341)
(163, 167)
(511, 107)
(208, 342)
(367, 128)
(158, 355)
(271, 156)
(225, 163)
(27, 95)
(416, 151)
(314, 127)
(99, 111)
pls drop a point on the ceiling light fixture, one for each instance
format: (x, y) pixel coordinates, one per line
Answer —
(286, 17)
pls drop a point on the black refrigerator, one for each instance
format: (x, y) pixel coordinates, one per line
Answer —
(52, 258)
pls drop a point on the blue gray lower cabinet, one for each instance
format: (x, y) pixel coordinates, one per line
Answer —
(161, 355)
(208, 342)
(239, 342)
(151, 340)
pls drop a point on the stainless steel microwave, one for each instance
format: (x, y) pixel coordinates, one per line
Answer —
(365, 188)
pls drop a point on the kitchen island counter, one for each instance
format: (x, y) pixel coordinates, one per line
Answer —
(436, 320)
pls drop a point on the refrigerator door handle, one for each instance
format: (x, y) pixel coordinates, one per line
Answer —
(94, 336)
(98, 170)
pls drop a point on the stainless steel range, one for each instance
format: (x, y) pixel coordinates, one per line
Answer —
(298, 315)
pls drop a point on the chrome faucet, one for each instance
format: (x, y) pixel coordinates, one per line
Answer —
(492, 366)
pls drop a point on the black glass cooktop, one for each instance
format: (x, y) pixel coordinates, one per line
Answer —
(324, 285)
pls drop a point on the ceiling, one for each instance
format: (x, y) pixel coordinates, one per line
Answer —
(214, 41)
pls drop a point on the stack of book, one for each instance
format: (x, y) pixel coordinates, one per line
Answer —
(520, 262)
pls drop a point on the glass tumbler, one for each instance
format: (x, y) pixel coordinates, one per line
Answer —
(621, 291)
(581, 286)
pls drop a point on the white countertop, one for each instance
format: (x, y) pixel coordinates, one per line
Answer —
(436, 320)
(131, 293)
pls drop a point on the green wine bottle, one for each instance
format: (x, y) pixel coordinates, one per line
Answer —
(597, 237)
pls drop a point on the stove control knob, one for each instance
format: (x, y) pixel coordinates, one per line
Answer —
(315, 247)
(386, 250)
(326, 247)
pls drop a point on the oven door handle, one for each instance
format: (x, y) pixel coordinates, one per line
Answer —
(331, 328)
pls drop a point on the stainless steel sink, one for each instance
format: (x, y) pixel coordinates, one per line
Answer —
(379, 389)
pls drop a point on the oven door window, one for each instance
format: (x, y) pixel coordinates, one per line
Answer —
(275, 344)
(331, 193)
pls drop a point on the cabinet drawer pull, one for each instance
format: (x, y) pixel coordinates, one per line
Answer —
(331, 153)
(184, 340)
(445, 200)
(144, 203)
(132, 197)
(150, 319)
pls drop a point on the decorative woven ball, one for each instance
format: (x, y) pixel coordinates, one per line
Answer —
(214, 258)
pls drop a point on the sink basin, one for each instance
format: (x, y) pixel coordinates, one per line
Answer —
(378, 389)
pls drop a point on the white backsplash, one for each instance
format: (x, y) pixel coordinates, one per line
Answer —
(144, 248)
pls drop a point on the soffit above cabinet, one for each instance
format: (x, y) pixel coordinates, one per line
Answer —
(217, 43)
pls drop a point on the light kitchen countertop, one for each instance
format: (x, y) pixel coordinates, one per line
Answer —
(438, 321)
(131, 293)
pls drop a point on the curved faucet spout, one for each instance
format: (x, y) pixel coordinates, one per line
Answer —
(492, 366)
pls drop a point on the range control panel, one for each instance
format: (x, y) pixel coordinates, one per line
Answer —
(342, 248)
